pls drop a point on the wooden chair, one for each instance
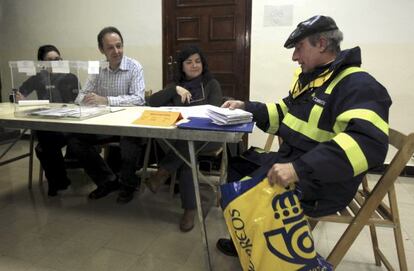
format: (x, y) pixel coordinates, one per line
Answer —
(220, 152)
(221, 172)
(369, 208)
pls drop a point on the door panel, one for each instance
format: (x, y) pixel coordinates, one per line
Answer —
(221, 28)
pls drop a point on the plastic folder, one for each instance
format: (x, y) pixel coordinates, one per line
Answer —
(206, 124)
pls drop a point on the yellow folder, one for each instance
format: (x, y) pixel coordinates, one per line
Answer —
(158, 118)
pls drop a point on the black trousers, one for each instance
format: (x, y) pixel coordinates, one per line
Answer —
(49, 153)
(84, 147)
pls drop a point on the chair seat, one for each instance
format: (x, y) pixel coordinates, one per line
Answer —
(8, 135)
(381, 217)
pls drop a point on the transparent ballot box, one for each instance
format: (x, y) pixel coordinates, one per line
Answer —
(53, 89)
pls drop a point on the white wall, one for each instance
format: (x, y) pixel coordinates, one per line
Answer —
(382, 28)
(73, 26)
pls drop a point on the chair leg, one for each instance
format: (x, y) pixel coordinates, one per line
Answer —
(218, 197)
(375, 246)
(41, 172)
(173, 181)
(312, 224)
(31, 160)
(223, 165)
(223, 174)
(399, 243)
(344, 243)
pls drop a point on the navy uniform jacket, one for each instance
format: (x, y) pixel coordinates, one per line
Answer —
(334, 127)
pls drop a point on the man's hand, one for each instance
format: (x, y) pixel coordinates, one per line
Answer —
(233, 104)
(282, 174)
(94, 99)
(184, 94)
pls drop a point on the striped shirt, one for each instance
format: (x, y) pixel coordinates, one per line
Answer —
(123, 87)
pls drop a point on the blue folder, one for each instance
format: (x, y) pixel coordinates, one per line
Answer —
(206, 124)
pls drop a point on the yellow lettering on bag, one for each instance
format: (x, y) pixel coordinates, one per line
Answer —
(239, 231)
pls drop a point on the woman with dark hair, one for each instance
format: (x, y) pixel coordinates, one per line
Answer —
(193, 85)
(56, 87)
(48, 52)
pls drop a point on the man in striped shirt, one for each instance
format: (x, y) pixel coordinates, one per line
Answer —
(120, 84)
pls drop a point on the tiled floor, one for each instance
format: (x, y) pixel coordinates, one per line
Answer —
(69, 232)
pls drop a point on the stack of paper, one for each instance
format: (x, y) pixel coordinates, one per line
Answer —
(226, 116)
(68, 112)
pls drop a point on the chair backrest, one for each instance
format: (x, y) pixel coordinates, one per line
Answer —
(148, 93)
(269, 142)
(405, 149)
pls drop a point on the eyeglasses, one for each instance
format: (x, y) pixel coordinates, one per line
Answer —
(58, 58)
(197, 98)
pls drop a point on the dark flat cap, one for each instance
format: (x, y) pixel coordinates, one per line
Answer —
(316, 24)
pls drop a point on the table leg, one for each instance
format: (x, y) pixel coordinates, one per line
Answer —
(144, 175)
(198, 201)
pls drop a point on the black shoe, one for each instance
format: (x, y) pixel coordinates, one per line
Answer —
(126, 194)
(104, 190)
(63, 185)
(227, 247)
(54, 188)
(52, 192)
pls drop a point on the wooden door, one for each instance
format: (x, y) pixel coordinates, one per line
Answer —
(221, 28)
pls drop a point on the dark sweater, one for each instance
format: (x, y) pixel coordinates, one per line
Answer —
(169, 97)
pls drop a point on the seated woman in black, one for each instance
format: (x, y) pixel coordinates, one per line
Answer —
(194, 85)
(60, 88)
(56, 87)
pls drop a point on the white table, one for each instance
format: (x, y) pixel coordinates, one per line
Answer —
(120, 123)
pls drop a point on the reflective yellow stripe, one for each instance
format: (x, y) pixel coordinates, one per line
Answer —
(340, 76)
(245, 178)
(273, 118)
(354, 153)
(310, 128)
(315, 115)
(295, 78)
(365, 114)
(321, 80)
(317, 82)
(259, 150)
(307, 129)
(284, 107)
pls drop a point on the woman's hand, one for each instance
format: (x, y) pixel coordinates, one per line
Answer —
(18, 96)
(184, 94)
(233, 104)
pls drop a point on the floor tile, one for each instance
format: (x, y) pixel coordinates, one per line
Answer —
(70, 232)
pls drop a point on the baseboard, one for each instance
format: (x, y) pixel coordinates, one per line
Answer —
(408, 171)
